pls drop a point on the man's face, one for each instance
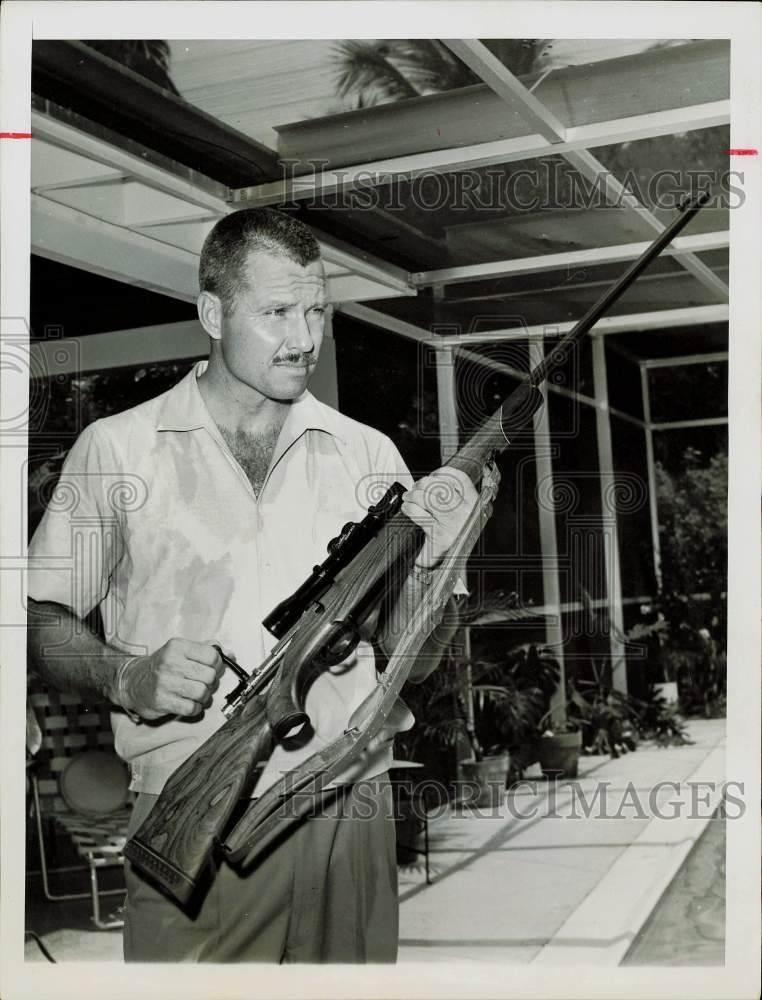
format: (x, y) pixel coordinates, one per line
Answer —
(271, 339)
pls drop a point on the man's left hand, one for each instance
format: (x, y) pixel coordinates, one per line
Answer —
(440, 504)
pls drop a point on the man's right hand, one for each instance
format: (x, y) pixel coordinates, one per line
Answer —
(179, 679)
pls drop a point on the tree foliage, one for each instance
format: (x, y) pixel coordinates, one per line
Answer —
(694, 524)
(149, 58)
(379, 72)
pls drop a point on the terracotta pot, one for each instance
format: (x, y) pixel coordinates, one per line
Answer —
(490, 775)
(559, 755)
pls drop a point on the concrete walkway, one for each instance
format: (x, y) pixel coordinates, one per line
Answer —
(560, 886)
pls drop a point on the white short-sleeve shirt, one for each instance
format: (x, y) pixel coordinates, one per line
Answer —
(155, 522)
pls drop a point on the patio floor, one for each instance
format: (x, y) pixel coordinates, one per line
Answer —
(549, 888)
(559, 886)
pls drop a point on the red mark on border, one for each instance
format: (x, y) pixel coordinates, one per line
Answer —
(742, 152)
(15, 135)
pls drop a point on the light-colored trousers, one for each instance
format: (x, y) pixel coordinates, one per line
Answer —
(326, 893)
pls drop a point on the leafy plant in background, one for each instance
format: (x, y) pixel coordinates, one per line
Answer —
(508, 697)
(612, 721)
(381, 71)
(605, 716)
(693, 536)
(660, 721)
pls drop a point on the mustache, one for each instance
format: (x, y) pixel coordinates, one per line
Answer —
(296, 358)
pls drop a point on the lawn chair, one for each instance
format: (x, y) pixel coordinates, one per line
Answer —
(79, 793)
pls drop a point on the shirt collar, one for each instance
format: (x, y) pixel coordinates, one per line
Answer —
(184, 409)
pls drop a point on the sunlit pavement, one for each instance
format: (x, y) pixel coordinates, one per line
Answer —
(558, 887)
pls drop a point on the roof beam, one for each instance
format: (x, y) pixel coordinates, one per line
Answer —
(375, 318)
(498, 78)
(209, 196)
(561, 286)
(668, 319)
(556, 261)
(613, 89)
(152, 197)
(510, 89)
(616, 193)
(685, 359)
(337, 179)
(71, 237)
(122, 348)
(678, 425)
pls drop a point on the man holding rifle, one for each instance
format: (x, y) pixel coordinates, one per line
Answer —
(240, 478)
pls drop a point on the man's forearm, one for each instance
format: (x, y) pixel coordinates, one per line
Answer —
(68, 656)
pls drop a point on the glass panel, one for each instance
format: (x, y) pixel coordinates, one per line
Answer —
(688, 392)
(653, 292)
(502, 211)
(645, 344)
(662, 169)
(69, 302)
(633, 513)
(574, 374)
(389, 377)
(670, 446)
(624, 383)
(507, 557)
(576, 498)
(263, 86)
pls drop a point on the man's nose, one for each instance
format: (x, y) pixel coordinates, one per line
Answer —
(300, 336)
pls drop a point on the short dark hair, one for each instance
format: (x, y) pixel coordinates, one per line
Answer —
(227, 247)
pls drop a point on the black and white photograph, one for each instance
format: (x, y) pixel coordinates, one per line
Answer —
(380, 499)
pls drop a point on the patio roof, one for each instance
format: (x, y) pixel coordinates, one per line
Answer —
(560, 224)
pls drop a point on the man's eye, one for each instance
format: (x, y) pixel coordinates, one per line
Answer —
(278, 311)
(320, 310)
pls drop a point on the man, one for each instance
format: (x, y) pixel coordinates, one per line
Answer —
(191, 517)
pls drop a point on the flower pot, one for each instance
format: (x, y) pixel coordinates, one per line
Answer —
(668, 691)
(490, 775)
(559, 755)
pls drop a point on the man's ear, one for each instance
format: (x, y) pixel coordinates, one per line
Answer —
(210, 314)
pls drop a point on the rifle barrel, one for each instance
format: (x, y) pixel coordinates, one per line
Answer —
(558, 355)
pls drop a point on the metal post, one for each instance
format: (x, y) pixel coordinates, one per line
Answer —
(551, 588)
(449, 432)
(653, 503)
(449, 440)
(609, 526)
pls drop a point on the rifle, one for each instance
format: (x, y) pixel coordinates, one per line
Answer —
(319, 626)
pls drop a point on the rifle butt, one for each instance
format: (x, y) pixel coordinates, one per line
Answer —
(173, 846)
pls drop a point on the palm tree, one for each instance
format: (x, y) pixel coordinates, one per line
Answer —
(148, 58)
(379, 72)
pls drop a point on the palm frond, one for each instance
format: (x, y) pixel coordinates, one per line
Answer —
(429, 65)
(148, 57)
(365, 70)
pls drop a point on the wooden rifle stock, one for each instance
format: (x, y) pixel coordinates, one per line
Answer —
(175, 843)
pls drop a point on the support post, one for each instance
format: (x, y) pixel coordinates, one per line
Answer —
(609, 526)
(449, 432)
(551, 588)
(652, 497)
(449, 440)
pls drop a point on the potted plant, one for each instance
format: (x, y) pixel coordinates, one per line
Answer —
(660, 720)
(491, 707)
(558, 748)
